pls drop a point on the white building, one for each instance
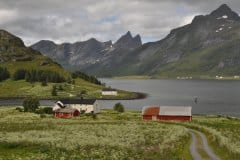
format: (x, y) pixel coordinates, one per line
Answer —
(86, 105)
(109, 92)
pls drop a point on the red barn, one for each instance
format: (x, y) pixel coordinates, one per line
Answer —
(179, 113)
(66, 113)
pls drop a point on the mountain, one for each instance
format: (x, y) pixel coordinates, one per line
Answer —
(208, 46)
(89, 55)
(15, 55)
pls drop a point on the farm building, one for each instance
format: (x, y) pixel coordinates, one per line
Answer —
(179, 113)
(109, 92)
(58, 105)
(86, 105)
(66, 113)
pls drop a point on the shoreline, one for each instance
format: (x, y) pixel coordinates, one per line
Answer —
(172, 78)
(139, 95)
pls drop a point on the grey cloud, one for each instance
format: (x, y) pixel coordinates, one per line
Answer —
(77, 20)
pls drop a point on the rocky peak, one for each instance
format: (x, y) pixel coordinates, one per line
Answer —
(138, 39)
(224, 12)
(128, 42)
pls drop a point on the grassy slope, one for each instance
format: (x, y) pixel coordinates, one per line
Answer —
(204, 63)
(222, 133)
(10, 88)
(21, 88)
(111, 136)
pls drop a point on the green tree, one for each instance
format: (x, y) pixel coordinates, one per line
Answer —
(4, 74)
(118, 107)
(30, 104)
(54, 91)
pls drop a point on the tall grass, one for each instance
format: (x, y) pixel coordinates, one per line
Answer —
(107, 137)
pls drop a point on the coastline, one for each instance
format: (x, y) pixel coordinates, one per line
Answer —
(139, 95)
(201, 77)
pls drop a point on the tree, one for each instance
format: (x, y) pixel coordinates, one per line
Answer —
(4, 74)
(44, 83)
(30, 104)
(118, 107)
(54, 91)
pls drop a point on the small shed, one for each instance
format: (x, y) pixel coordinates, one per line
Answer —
(66, 113)
(109, 92)
(179, 113)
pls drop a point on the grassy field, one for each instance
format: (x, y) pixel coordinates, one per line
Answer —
(222, 133)
(21, 88)
(111, 136)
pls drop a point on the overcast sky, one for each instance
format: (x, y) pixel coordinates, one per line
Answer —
(79, 20)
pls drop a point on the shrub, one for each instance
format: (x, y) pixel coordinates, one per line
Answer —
(4, 74)
(19, 109)
(54, 91)
(43, 116)
(44, 83)
(60, 88)
(47, 110)
(19, 74)
(94, 116)
(82, 111)
(118, 107)
(30, 104)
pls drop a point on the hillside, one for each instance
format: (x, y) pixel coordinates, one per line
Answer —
(208, 46)
(27, 72)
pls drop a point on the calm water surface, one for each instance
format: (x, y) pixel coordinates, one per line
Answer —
(214, 96)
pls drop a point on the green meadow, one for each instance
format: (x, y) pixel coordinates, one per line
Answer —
(111, 135)
(21, 88)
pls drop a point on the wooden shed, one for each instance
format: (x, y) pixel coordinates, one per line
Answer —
(179, 113)
(66, 113)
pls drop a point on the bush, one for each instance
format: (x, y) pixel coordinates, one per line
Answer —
(82, 111)
(60, 88)
(30, 104)
(44, 83)
(4, 74)
(94, 116)
(47, 110)
(43, 116)
(118, 107)
(54, 91)
(19, 109)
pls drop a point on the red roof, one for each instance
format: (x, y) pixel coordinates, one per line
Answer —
(151, 110)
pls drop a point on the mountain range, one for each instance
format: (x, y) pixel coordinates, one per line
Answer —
(208, 46)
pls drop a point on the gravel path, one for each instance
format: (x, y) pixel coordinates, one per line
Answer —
(193, 147)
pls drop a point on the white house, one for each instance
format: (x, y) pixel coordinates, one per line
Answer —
(58, 105)
(109, 92)
(86, 105)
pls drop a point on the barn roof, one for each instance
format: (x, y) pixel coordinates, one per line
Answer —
(78, 101)
(167, 110)
(66, 110)
(108, 89)
(151, 110)
(176, 110)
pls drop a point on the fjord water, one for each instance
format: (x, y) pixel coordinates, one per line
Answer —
(214, 96)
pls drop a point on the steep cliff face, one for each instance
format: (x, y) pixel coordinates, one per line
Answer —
(89, 54)
(209, 45)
